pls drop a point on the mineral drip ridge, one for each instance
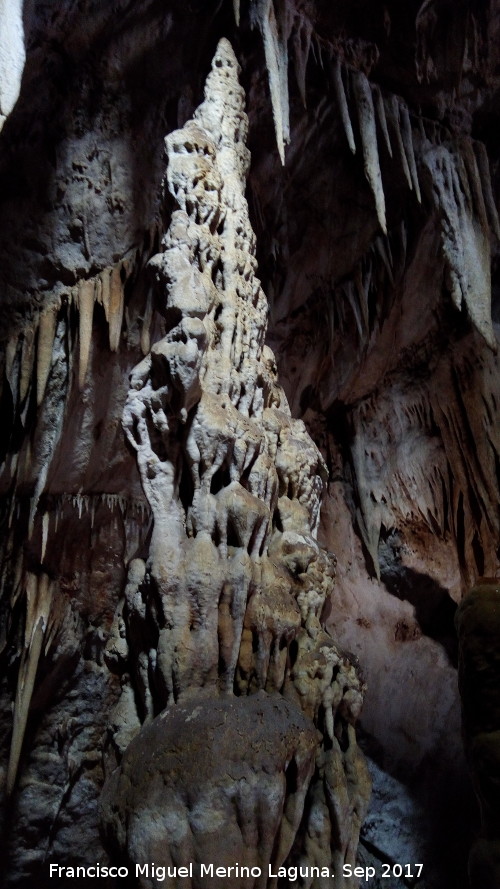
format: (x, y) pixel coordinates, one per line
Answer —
(256, 745)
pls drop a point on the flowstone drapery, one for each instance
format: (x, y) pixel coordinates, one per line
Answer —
(240, 707)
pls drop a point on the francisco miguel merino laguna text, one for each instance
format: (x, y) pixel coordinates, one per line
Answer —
(161, 873)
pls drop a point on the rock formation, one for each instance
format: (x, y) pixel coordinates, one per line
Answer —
(373, 193)
(221, 625)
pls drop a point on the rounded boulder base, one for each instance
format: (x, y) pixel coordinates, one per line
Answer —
(218, 781)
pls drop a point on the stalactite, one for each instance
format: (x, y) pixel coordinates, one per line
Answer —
(146, 323)
(484, 172)
(407, 138)
(342, 104)
(362, 296)
(106, 291)
(116, 304)
(354, 302)
(38, 602)
(393, 112)
(46, 334)
(382, 248)
(382, 119)
(27, 360)
(45, 534)
(466, 245)
(302, 47)
(275, 49)
(366, 115)
(86, 314)
(51, 423)
(11, 366)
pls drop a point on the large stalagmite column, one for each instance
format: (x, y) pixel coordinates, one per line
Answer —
(243, 706)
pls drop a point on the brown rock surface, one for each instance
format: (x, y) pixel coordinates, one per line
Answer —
(385, 351)
(213, 781)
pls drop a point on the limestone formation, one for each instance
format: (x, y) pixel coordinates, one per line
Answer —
(342, 103)
(385, 344)
(231, 597)
(275, 32)
(465, 236)
(367, 129)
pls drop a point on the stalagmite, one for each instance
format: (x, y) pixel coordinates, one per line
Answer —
(46, 333)
(86, 309)
(366, 115)
(338, 84)
(407, 137)
(380, 109)
(116, 303)
(234, 574)
(38, 602)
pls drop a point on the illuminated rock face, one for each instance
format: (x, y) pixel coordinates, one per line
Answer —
(235, 584)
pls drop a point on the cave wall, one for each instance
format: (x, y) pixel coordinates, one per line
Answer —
(377, 247)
